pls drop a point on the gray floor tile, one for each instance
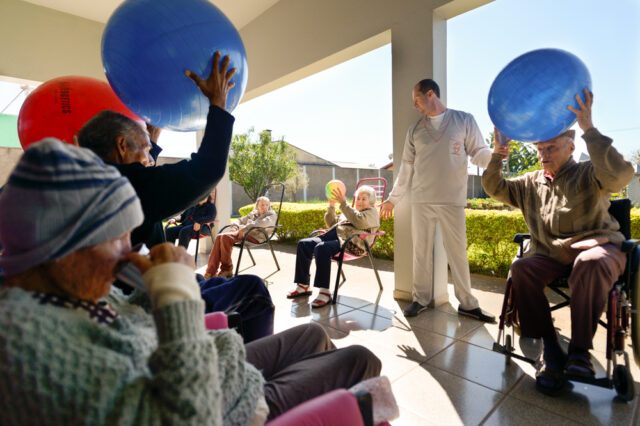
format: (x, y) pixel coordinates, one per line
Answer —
(443, 398)
(512, 411)
(479, 365)
(585, 404)
(455, 326)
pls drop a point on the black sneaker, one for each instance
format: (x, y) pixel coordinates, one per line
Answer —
(478, 314)
(414, 309)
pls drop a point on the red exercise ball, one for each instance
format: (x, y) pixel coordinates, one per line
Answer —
(60, 107)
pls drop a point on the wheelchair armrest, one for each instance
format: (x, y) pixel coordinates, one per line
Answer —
(519, 238)
(629, 245)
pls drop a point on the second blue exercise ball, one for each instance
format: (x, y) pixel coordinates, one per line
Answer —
(148, 44)
(529, 97)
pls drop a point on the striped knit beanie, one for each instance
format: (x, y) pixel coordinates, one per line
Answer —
(59, 199)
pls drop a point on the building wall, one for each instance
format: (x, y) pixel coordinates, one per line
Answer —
(8, 159)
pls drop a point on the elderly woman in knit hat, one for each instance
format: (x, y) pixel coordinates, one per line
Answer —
(75, 350)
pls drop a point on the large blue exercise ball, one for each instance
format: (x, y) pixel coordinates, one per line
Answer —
(528, 99)
(148, 44)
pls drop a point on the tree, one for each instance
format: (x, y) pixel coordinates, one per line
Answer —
(295, 183)
(635, 156)
(255, 164)
(523, 157)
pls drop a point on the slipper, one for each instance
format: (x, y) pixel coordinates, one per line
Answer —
(579, 365)
(300, 291)
(550, 381)
(321, 301)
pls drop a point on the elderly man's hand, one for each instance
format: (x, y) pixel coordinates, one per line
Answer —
(154, 132)
(386, 209)
(217, 86)
(584, 113)
(500, 143)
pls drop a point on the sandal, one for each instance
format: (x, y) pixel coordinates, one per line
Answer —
(579, 365)
(550, 381)
(300, 291)
(225, 274)
(322, 300)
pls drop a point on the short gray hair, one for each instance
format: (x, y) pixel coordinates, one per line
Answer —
(369, 191)
(99, 134)
(263, 198)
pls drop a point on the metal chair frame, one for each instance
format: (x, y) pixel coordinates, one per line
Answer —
(267, 232)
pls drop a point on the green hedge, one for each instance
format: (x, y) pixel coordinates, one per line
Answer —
(489, 233)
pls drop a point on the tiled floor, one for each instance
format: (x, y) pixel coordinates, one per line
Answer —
(441, 366)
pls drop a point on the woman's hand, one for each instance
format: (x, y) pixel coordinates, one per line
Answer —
(338, 196)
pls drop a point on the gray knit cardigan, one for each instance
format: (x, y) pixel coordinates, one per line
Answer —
(57, 366)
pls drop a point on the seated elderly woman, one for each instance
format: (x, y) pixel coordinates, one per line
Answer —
(75, 350)
(262, 216)
(364, 217)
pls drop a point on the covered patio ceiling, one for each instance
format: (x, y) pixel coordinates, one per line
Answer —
(239, 12)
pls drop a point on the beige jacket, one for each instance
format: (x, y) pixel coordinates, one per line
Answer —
(255, 220)
(352, 221)
(572, 207)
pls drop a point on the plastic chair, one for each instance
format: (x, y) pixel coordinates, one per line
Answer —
(379, 184)
(249, 240)
(621, 312)
(338, 407)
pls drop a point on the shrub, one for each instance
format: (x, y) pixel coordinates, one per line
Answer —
(486, 204)
(490, 246)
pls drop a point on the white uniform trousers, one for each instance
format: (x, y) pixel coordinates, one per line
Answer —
(454, 235)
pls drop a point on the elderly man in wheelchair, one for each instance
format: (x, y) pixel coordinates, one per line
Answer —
(565, 206)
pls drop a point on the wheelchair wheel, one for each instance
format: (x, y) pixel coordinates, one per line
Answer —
(623, 383)
(508, 349)
(634, 296)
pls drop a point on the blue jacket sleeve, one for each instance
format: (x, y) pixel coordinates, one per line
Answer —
(171, 188)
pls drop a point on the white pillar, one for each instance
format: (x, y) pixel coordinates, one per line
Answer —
(223, 201)
(304, 190)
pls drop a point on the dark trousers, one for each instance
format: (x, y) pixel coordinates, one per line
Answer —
(322, 248)
(245, 294)
(590, 278)
(184, 233)
(302, 363)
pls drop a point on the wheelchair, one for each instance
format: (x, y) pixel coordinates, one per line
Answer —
(621, 314)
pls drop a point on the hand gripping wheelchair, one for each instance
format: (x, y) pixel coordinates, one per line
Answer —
(621, 313)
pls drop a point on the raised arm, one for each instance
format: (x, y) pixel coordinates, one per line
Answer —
(171, 188)
(496, 186)
(611, 170)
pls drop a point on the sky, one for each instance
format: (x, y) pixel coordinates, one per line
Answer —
(344, 113)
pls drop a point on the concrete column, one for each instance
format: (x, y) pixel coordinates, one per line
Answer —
(414, 49)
